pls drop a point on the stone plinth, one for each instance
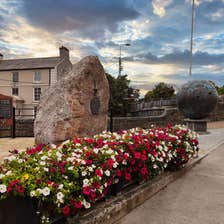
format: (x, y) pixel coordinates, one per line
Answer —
(75, 106)
(198, 125)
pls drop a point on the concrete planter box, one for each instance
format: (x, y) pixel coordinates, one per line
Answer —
(20, 210)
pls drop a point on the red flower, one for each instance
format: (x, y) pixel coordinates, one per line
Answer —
(96, 185)
(137, 155)
(127, 176)
(9, 189)
(119, 173)
(99, 173)
(20, 189)
(52, 170)
(38, 181)
(76, 140)
(110, 162)
(143, 157)
(89, 140)
(66, 210)
(92, 195)
(144, 171)
(14, 182)
(78, 204)
(86, 190)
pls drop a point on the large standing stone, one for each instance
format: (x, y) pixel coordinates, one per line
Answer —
(76, 106)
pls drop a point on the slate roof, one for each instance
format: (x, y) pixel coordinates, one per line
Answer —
(28, 63)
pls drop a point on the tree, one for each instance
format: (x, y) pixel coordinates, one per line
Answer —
(220, 89)
(161, 90)
(121, 94)
(148, 96)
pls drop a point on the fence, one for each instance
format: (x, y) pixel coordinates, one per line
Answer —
(22, 125)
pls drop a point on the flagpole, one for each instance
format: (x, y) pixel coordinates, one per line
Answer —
(191, 43)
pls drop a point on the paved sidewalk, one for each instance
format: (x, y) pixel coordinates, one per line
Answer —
(7, 144)
(197, 197)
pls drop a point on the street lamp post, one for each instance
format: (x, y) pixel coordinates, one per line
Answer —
(120, 68)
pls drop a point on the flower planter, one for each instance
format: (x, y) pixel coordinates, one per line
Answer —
(18, 210)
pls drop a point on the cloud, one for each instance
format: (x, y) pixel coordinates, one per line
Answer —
(159, 6)
(180, 58)
(86, 18)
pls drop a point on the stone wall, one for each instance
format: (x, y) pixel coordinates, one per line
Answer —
(170, 115)
(218, 113)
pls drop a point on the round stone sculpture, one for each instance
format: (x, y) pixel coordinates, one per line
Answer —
(197, 99)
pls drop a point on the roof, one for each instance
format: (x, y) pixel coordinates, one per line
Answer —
(28, 63)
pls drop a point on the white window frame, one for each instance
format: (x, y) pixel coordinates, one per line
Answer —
(34, 94)
(15, 73)
(36, 72)
(17, 91)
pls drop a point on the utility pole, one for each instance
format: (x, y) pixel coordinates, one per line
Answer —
(120, 68)
(191, 43)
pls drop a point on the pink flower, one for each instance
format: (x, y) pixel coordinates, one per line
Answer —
(99, 172)
(127, 176)
(144, 171)
(137, 155)
(86, 190)
(78, 204)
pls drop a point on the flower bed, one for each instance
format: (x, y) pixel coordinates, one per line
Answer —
(74, 175)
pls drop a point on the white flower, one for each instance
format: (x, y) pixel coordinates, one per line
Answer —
(46, 169)
(53, 146)
(95, 150)
(84, 173)
(58, 154)
(46, 191)
(85, 182)
(20, 160)
(32, 194)
(86, 204)
(90, 169)
(60, 186)
(8, 173)
(110, 151)
(60, 196)
(3, 188)
(39, 191)
(70, 167)
(1, 176)
(10, 158)
(43, 157)
(107, 172)
(42, 163)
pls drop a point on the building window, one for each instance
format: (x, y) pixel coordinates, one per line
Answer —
(37, 76)
(37, 93)
(15, 91)
(15, 76)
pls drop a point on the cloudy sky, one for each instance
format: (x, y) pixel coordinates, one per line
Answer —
(158, 31)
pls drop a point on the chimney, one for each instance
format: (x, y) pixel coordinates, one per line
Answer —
(64, 52)
(1, 56)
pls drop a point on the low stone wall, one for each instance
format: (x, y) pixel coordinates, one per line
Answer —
(170, 115)
(218, 113)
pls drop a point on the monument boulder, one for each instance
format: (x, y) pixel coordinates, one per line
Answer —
(75, 106)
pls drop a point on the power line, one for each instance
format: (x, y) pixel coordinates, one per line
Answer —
(6, 80)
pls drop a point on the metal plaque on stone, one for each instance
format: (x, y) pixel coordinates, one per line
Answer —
(95, 105)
